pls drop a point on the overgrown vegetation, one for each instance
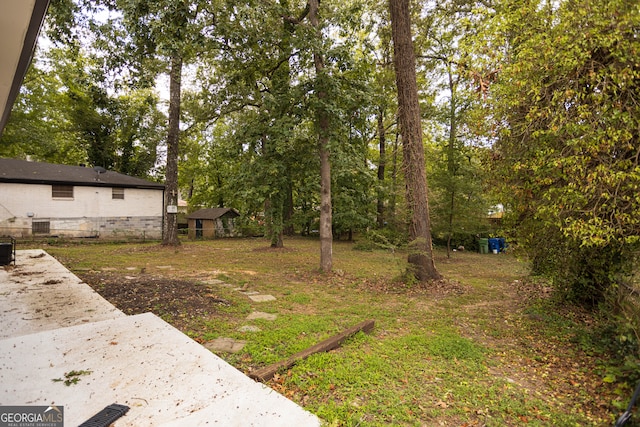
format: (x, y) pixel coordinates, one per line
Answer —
(566, 119)
(488, 346)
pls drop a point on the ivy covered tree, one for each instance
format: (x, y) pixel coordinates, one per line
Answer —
(567, 121)
(421, 264)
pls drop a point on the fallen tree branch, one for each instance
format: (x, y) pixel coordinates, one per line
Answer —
(266, 373)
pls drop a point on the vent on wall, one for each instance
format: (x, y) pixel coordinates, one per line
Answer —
(41, 226)
(117, 193)
(62, 191)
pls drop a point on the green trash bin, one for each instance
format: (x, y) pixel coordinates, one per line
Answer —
(484, 246)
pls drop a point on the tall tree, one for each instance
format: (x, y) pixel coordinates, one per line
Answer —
(382, 88)
(257, 85)
(252, 92)
(278, 108)
(323, 124)
(169, 30)
(170, 235)
(420, 257)
(139, 130)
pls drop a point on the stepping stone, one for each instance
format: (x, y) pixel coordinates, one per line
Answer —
(227, 345)
(260, 315)
(165, 267)
(214, 282)
(262, 298)
(249, 328)
(132, 268)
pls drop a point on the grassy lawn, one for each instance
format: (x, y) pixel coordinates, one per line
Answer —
(486, 346)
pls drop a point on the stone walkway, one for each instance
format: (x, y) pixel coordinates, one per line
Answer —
(231, 345)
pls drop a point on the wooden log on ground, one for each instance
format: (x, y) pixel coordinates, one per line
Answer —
(266, 373)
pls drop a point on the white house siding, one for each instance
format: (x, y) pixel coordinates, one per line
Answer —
(91, 213)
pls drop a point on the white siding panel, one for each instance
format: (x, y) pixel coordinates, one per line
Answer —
(16, 200)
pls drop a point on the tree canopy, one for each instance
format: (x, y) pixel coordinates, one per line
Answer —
(288, 112)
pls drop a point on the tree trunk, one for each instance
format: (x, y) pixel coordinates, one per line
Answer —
(276, 236)
(272, 205)
(391, 212)
(421, 251)
(322, 117)
(381, 167)
(451, 161)
(288, 211)
(170, 235)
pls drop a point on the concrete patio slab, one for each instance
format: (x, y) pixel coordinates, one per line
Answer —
(166, 378)
(142, 362)
(40, 294)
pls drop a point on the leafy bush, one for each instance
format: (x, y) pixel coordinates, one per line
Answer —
(381, 239)
(249, 227)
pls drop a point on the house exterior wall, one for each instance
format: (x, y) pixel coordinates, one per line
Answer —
(92, 212)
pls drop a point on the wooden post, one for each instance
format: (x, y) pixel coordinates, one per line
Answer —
(266, 373)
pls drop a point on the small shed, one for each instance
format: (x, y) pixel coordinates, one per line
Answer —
(211, 223)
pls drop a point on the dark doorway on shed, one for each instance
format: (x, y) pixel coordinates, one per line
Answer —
(198, 229)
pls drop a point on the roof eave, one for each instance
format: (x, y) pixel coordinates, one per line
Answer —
(26, 54)
(81, 183)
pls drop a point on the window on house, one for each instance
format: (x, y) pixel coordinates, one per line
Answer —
(40, 226)
(117, 193)
(62, 191)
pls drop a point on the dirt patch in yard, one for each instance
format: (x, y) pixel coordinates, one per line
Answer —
(433, 290)
(175, 300)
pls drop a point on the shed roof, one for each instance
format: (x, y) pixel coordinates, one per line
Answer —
(25, 172)
(212, 213)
